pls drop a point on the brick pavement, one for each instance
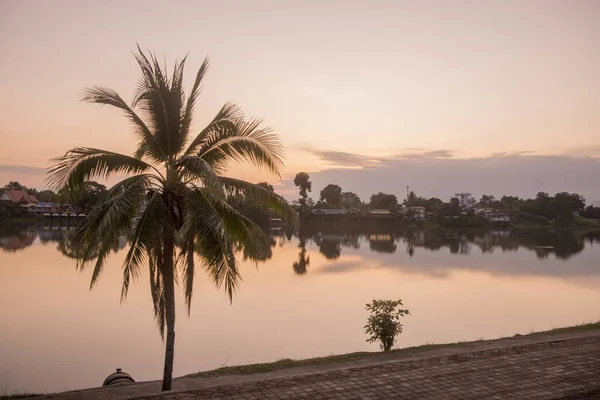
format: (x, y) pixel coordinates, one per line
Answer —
(566, 370)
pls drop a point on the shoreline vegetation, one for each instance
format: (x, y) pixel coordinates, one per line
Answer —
(257, 368)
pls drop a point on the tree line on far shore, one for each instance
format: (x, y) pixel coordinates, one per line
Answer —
(90, 193)
(543, 208)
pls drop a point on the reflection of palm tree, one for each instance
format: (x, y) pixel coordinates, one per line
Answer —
(410, 243)
(175, 195)
(303, 261)
(68, 249)
(260, 253)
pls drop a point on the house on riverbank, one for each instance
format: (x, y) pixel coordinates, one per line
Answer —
(19, 197)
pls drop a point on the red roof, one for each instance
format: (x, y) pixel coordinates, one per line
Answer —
(20, 196)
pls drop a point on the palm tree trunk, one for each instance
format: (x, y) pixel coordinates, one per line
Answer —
(169, 283)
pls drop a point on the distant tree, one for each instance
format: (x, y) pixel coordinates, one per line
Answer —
(302, 181)
(93, 192)
(451, 209)
(310, 203)
(350, 200)
(591, 212)
(434, 204)
(414, 201)
(47, 195)
(487, 199)
(384, 201)
(266, 185)
(332, 194)
(13, 185)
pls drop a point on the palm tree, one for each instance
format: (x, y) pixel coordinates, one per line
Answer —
(172, 201)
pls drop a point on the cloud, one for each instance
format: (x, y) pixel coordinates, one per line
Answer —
(435, 173)
(353, 160)
(343, 159)
(584, 151)
(22, 169)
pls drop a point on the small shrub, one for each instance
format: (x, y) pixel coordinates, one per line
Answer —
(384, 322)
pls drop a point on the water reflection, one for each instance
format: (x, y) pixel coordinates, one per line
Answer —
(18, 236)
(303, 262)
(561, 243)
(451, 278)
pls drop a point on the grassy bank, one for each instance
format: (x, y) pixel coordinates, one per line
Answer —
(288, 363)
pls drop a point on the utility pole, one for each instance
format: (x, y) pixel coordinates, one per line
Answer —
(407, 191)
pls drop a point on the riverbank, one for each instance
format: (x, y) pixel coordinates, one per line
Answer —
(290, 368)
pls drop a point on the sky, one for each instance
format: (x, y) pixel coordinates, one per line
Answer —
(499, 97)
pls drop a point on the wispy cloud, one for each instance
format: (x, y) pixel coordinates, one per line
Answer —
(22, 169)
(353, 160)
(344, 159)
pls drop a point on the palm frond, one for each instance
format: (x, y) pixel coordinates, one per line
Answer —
(106, 96)
(225, 120)
(194, 168)
(218, 229)
(244, 142)
(147, 235)
(157, 288)
(109, 220)
(82, 163)
(162, 100)
(186, 261)
(186, 121)
(261, 195)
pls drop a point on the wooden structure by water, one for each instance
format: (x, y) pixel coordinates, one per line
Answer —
(64, 218)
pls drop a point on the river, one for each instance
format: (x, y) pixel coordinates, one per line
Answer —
(305, 300)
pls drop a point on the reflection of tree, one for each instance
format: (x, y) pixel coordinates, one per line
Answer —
(303, 260)
(351, 240)
(331, 249)
(17, 241)
(67, 248)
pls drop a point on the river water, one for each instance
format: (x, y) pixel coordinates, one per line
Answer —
(305, 300)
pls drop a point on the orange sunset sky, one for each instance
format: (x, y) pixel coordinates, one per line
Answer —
(444, 96)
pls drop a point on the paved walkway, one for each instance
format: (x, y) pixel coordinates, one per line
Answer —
(565, 369)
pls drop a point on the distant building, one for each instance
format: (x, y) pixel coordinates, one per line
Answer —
(329, 211)
(380, 211)
(45, 207)
(498, 217)
(482, 209)
(19, 197)
(417, 211)
(490, 213)
(465, 199)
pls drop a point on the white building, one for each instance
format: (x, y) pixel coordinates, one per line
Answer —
(465, 199)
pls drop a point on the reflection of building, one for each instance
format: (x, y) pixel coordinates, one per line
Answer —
(17, 242)
(376, 237)
(19, 197)
(465, 199)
